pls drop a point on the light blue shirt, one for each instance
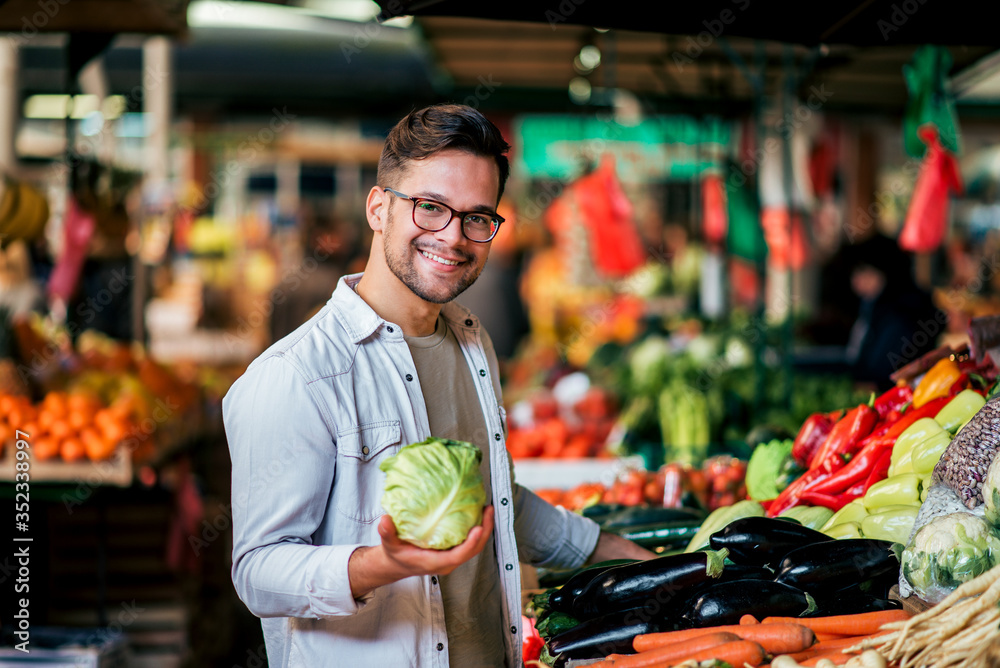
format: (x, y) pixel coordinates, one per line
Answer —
(308, 425)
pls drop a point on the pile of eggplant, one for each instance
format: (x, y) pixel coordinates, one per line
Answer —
(755, 565)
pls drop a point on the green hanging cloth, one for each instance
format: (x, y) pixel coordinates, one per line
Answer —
(930, 101)
(745, 238)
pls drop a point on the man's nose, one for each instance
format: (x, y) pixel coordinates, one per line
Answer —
(452, 233)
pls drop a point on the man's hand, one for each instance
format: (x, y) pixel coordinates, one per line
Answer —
(610, 546)
(395, 559)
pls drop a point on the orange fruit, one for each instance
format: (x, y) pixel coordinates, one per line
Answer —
(60, 429)
(80, 418)
(96, 446)
(83, 401)
(6, 435)
(72, 449)
(44, 448)
(30, 430)
(114, 430)
(56, 402)
(7, 404)
(45, 420)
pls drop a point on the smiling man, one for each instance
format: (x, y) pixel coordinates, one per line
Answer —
(391, 360)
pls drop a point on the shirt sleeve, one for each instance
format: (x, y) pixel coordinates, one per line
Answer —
(550, 536)
(283, 455)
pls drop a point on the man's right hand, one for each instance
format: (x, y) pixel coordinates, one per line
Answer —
(395, 559)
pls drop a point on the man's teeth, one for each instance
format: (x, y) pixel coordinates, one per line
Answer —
(436, 258)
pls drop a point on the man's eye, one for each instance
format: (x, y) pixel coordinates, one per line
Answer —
(477, 220)
(429, 207)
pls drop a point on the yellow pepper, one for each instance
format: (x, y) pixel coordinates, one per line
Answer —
(854, 511)
(915, 433)
(936, 382)
(845, 530)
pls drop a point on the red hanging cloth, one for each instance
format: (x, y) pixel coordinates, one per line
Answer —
(927, 216)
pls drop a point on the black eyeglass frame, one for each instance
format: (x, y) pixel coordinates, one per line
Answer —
(454, 213)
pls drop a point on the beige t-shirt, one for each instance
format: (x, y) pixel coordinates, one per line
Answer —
(472, 592)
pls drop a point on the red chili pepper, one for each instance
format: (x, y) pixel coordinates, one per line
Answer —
(880, 471)
(846, 436)
(790, 496)
(888, 431)
(855, 471)
(812, 435)
(833, 501)
(893, 400)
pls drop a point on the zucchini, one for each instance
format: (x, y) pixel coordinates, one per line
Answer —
(598, 637)
(646, 515)
(838, 564)
(763, 540)
(650, 584)
(562, 599)
(556, 623)
(719, 518)
(669, 535)
(727, 602)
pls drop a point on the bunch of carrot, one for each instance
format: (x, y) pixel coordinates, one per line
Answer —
(753, 643)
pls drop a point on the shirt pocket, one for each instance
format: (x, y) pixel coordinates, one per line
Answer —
(359, 481)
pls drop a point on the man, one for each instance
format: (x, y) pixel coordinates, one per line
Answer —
(390, 360)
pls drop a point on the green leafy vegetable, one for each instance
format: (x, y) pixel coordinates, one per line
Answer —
(765, 467)
(434, 492)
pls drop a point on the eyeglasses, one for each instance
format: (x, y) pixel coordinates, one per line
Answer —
(434, 216)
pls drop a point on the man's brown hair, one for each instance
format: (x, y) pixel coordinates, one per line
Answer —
(426, 131)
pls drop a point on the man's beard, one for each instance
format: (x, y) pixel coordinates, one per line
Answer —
(404, 270)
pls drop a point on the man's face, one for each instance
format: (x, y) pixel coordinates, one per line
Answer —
(439, 266)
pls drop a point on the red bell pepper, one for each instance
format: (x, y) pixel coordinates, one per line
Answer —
(855, 471)
(888, 431)
(812, 434)
(893, 400)
(963, 382)
(845, 438)
(880, 471)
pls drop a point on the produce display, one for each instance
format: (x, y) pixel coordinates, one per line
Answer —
(434, 491)
(899, 489)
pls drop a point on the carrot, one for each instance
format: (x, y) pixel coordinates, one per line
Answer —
(779, 638)
(830, 636)
(859, 624)
(736, 653)
(748, 619)
(648, 641)
(673, 653)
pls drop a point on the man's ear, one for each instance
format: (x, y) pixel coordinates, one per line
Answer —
(377, 209)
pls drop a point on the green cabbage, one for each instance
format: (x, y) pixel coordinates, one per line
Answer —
(434, 492)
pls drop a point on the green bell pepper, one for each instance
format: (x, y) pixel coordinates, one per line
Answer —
(903, 465)
(959, 410)
(892, 523)
(854, 511)
(844, 530)
(903, 489)
(915, 433)
(925, 455)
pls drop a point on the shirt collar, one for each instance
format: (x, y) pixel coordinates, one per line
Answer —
(361, 321)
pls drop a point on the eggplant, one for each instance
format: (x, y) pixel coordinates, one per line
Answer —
(556, 623)
(608, 634)
(663, 534)
(763, 540)
(855, 603)
(561, 600)
(645, 515)
(650, 584)
(726, 602)
(838, 564)
(556, 578)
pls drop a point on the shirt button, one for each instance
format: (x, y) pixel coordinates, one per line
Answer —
(509, 567)
(409, 376)
(434, 579)
(364, 450)
(468, 323)
(503, 501)
(513, 630)
(391, 330)
(496, 437)
(482, 372)
(440, 646)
